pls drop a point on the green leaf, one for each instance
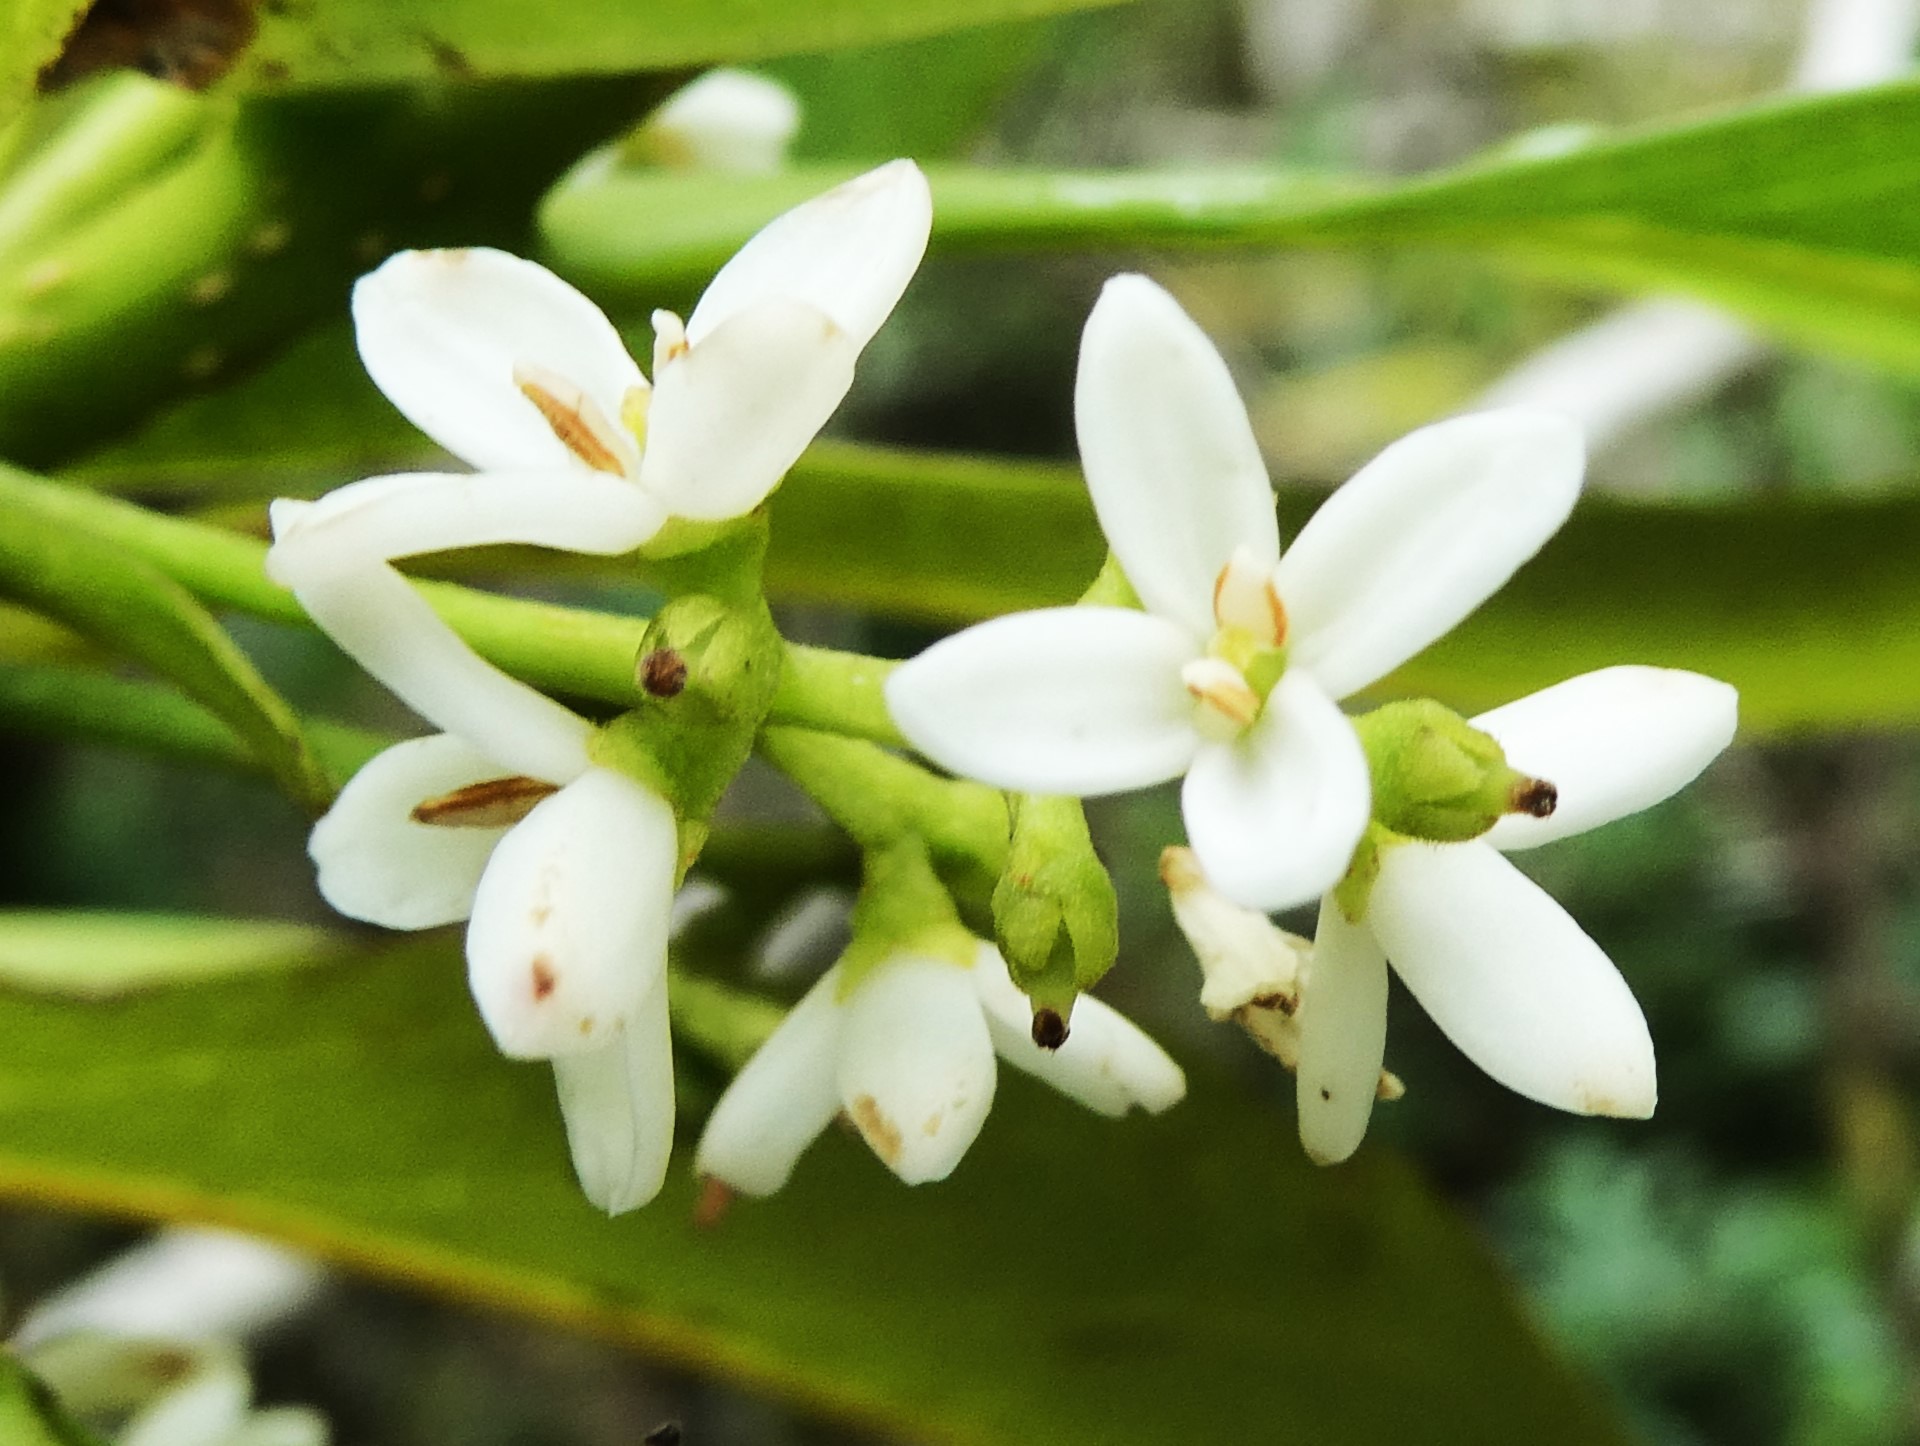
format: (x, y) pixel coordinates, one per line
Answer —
(29, 1414)
(1802, 215)
(367, 42)
(1220, 1290)
(128, 606)
(104, 955)
(31, 33)
(253, 236)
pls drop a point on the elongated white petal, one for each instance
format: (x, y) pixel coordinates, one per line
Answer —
(375, 863)
(569, 928)
(1342, 1021)
(282, 1426)
(916, 1068)
(384, 518)
(778, 1105)
(1512, 979)
(1109, 1064)
(1063, 700)
(1170, 458)
(378, 620)
(731, 414)
(202, 1409)
(1421, 536)
(1612, 743)
(1275, 815)
(617, 1100)
(441, 332)
(848, 253)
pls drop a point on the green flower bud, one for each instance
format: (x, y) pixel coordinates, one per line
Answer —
(706, 676)
(1439, 779)
(1054, 911)
(903, 908)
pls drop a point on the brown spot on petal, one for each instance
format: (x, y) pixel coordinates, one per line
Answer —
(1280, 1000)
(545, 981)
(934, 1121)
(881, 1134)
(1049, 1029)
(1326, 1094)
(493, 803)
(663, 673)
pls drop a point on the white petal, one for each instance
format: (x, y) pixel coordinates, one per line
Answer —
(1107, 1064)
(1170, 458)
(1612, 743)
(1512, 979)
(1063, 700)
(617, 1100)
(282, 1426)
(1275, 815)
(440, 332)
(203, 1409)
(375, 863)
(916, 1066)
(378, 620)
(778, 1105)
(383, 518)
(849, 253)
(569, 928)
(731, 414)
(727, 120)
(1421, 536)
(1342, 1021)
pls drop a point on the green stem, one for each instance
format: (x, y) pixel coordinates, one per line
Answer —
(880, 798)
(569, 651)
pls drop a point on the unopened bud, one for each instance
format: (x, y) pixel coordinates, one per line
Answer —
(1054, 910)
(727, 120)
(1438, 778)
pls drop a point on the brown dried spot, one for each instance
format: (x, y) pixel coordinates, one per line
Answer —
(186, 42)
(662, 673)
(933, 1123)
(711, 1205)
(1279, 999)
(493, 803)
(1535, 796)
(545, 981)
(569, 412)
(880, 1133)
(1326, 1094)
(450, 59)
(1049, 1029)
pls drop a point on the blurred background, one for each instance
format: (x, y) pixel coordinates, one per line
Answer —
(1743, 1269)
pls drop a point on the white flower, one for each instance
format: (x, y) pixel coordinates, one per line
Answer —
(727, 120)
(1501, 968)
(516, 373)
(1092, 700)
(568, 885)
(908, 1055)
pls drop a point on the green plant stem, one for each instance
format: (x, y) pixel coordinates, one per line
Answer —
(570, 651)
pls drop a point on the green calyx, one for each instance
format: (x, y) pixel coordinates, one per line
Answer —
(706, 676)
(903, 909)
(1054, 910)
(1437, 778)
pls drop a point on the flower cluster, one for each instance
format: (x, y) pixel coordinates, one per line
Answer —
(1219, 658)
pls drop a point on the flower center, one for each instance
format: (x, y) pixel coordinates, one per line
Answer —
(1248, 650)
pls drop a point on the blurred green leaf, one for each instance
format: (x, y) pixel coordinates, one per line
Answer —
(29, 1414)
(1223, 1290)
(1803, 215)
(86, 955)
(31, 32)
(221, 255)
(363, 42)
(128, 606)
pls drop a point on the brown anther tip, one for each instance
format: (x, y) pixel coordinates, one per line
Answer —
(709, 1209)
(1537, 797)
(663, 673)
(1049, 1029)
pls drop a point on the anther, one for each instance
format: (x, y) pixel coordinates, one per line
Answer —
(1244, 597)
(495, 803)
(574, 417)
(1220, 686)
(1534, 796)
(1049, 1029)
